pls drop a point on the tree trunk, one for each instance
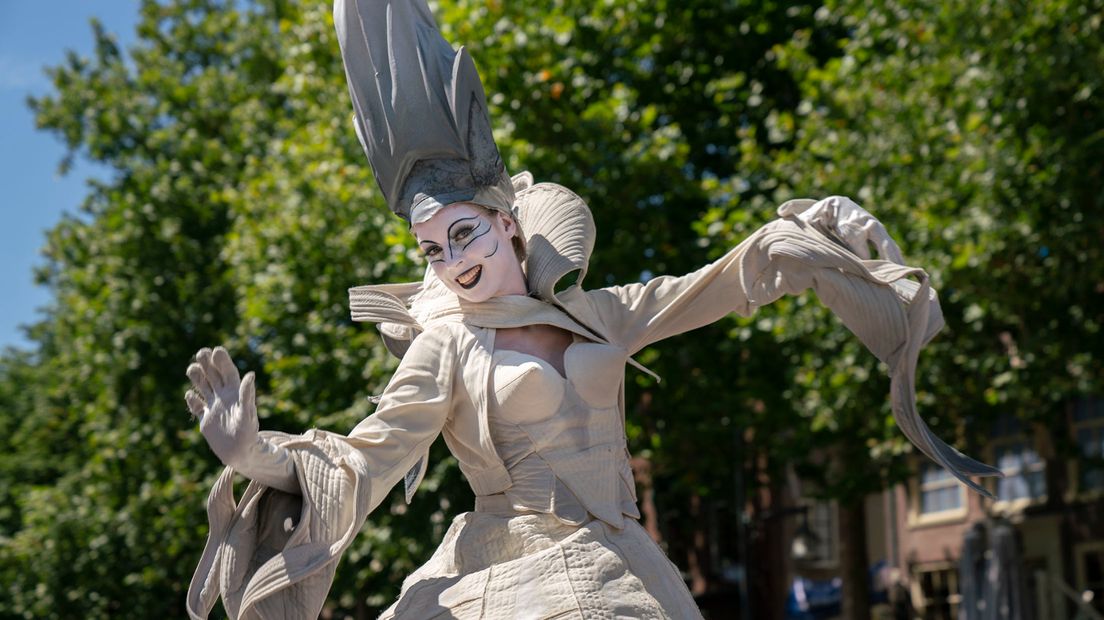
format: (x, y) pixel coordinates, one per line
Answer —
(767, 551)
(853, 560)
(698, 563)
(642, 475)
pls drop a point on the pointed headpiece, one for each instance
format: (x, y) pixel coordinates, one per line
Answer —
(419, 110)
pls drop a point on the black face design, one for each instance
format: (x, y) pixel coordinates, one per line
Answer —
(462, 243)
(461, 235)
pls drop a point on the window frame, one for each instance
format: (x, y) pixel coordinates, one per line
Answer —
(917, 518)
(1010, 430)
(1080, 550)
(1096, 424)
(919, 598)
(829, 537)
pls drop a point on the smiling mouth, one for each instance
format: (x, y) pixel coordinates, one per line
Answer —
(470, 278)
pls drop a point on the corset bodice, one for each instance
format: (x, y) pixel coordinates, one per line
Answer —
(562, 437)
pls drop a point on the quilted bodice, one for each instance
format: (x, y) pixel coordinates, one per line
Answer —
(562, 437)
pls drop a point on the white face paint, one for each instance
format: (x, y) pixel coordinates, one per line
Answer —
(471, 251)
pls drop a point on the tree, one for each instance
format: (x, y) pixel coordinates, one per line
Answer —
(973, 133)
(238, 213)
(241, 209)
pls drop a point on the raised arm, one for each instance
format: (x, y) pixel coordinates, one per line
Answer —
(818, 245)
(337, 481)
(225, 405)
(410, 415)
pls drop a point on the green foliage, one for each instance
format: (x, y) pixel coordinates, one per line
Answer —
(974, 133)
(239, 212)
(241, 209)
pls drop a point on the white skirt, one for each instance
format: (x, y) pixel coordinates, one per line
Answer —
(535, 566)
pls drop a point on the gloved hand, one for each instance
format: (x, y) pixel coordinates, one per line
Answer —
(840, 218)
(226, 406)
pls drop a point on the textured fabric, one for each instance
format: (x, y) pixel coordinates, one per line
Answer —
(540, 419)
(273, 554)
(535, 566)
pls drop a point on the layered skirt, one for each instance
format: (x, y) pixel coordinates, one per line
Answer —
(535, 566)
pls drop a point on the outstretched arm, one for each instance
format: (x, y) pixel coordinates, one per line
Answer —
(818, 245)
(410, 415)
(821, 245)
(340, 479)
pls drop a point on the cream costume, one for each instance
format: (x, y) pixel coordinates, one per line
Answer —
(554, 533)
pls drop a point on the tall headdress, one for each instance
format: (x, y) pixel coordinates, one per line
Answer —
(420, 110)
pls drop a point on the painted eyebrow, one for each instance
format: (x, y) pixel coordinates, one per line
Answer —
(428, 241)
(459, 221)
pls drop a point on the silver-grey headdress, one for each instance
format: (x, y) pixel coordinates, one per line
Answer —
(420, 110)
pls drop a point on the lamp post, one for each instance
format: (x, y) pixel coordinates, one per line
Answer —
(801, 546)
(804, 538)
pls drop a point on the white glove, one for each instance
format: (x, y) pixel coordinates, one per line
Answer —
(226, 407)
(840, 218)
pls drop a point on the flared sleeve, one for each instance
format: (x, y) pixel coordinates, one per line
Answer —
(891, 308)
(273, 554)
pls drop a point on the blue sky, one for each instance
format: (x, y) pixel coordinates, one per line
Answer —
(34, 35)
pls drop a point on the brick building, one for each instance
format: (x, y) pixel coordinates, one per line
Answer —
(1052, 494)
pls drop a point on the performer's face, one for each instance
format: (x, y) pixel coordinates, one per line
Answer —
(471, 251)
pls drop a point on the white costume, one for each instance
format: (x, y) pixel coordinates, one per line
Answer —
(555, 532)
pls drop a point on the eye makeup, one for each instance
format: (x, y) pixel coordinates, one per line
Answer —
(465, 231)
(461, 234)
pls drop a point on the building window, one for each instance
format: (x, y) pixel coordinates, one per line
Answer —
(939, 490)
(1088, 430)
(938, 595)
(1016, 456)
(821, 518)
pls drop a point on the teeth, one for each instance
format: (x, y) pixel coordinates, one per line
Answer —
(469, 276)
